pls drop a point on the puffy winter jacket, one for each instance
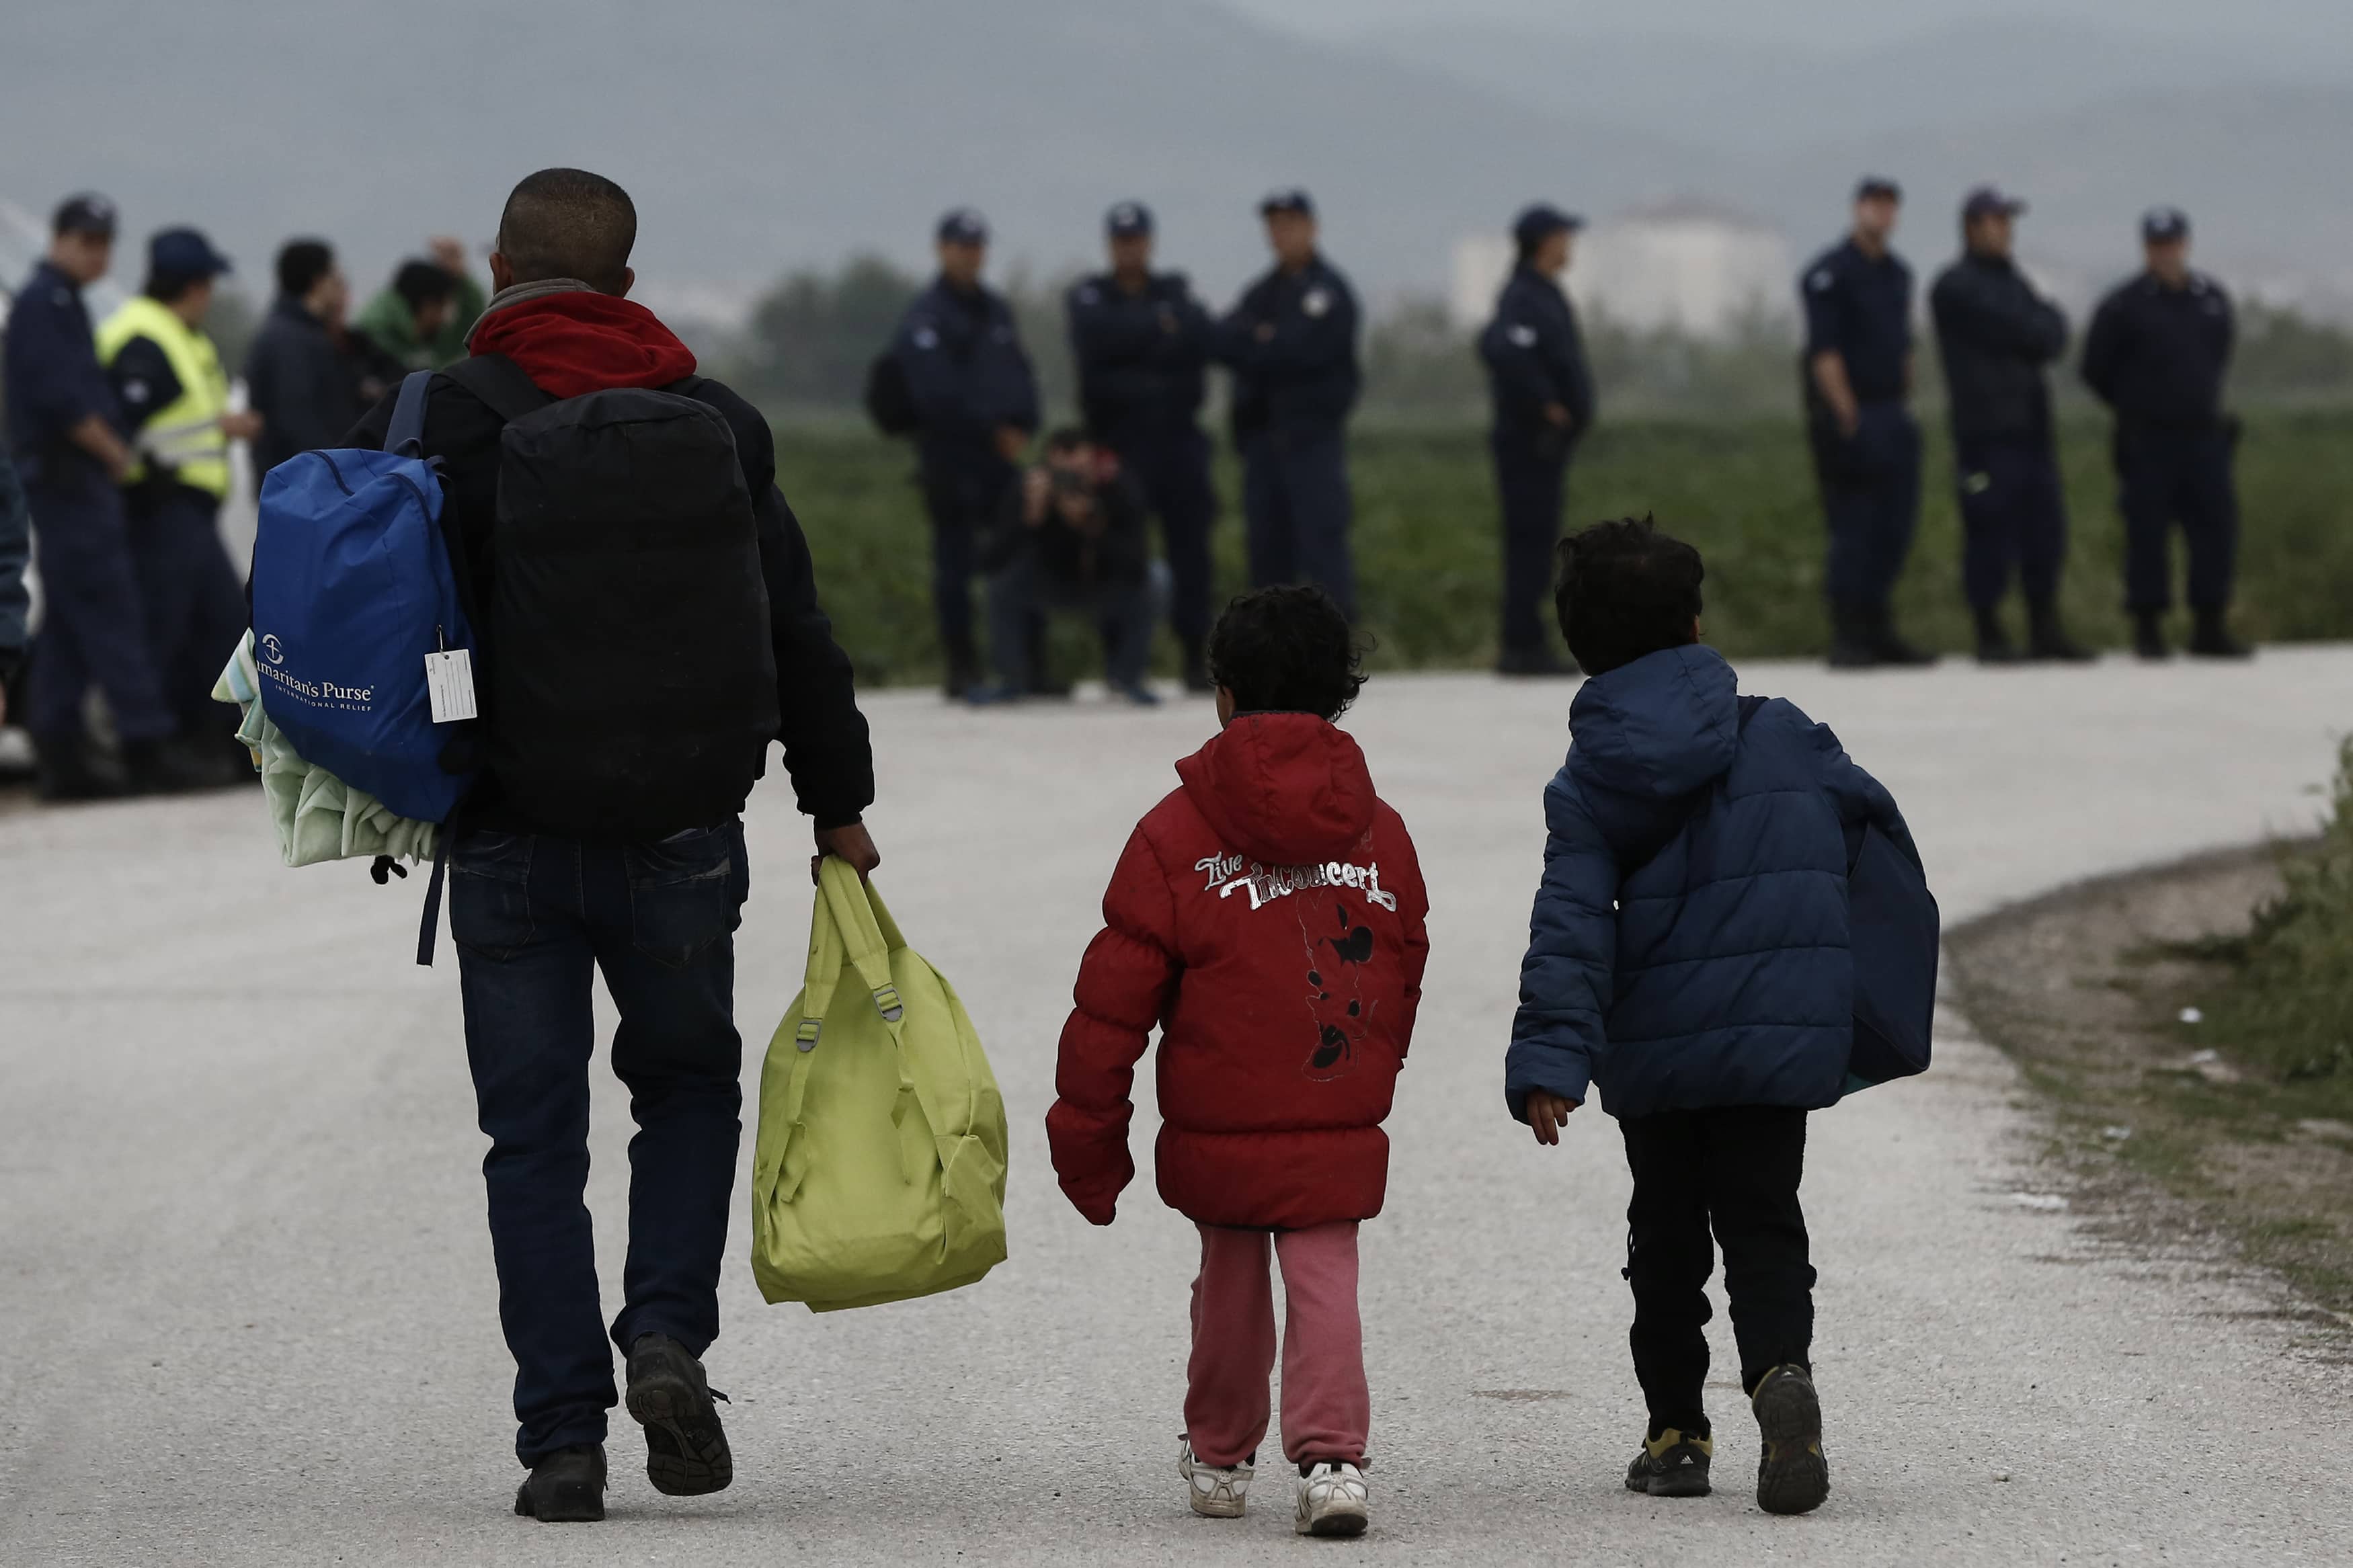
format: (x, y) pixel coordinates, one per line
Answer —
(1269, 916)
(1689, 946)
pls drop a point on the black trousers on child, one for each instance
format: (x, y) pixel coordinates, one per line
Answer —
(1735, 1169)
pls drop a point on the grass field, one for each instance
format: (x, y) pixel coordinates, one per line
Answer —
(1425, 536)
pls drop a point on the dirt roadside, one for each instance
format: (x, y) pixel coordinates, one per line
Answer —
(2155, 1129)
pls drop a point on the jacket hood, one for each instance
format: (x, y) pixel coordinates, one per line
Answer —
(1660, 727)
(1285, 789)
(575, 342)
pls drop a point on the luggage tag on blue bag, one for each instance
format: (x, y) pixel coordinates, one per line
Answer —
(449, 682)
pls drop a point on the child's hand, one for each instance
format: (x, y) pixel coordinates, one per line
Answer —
(1547, 1113)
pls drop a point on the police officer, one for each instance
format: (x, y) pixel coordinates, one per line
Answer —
(1544, 403)
(1142, 344)
(976, 402)
(1996, 333)
(62, 426)
(168, 378)
(1291, 342)
(1857, 298)
(2158, 350)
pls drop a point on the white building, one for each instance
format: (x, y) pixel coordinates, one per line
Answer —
(1683, 264)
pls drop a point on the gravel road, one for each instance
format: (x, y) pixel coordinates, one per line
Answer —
(243, 1262)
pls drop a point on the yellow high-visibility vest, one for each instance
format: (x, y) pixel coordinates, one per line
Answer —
(185, 435)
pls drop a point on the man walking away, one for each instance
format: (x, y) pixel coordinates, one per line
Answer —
(649, 623)
(975, 404)
(1291, 342)
(1996, 333)
(1857, 298)
(1142, 343)
(63, 427)
(421, 318)
(1544, 404)
(175, 397)
(299, 376)
(2158, 352)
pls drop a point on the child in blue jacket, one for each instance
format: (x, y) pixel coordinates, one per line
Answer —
(1689, 957)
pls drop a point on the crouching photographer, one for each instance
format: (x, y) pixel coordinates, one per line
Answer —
(1072, 537)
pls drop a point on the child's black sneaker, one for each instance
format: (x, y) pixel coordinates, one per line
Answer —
(567, 1487)
(1792, 1477)
(1672, 1464)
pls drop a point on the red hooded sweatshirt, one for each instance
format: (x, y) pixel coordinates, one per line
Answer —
(1269, 916)
(580, 341)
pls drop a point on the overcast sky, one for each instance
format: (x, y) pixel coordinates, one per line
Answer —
(2274, 23)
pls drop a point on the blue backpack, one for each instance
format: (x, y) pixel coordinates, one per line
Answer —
(351, 589)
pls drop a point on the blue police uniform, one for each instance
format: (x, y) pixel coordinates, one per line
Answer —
(1858, 307)
(1995, 334)
(2157, 356)
(1291, 342)
(1536, 359)
(1142, 361)
(967, 376)
(92, 624)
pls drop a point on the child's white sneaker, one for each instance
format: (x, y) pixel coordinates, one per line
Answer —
(1216, 1492)
(1332, 1499)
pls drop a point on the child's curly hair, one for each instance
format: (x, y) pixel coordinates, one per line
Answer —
(1625, 590)
(1287, 650)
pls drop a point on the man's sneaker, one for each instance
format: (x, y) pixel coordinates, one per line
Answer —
(1197, 671)
(1792, 1477)
(1673, 1464)
(1216, 1492)
(1332, 1499)
(1136, 694)
(2148, 636)
(686, 1451)
(567, 1487)
(993, 694)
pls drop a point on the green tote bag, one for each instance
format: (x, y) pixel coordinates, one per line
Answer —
(878, 1173)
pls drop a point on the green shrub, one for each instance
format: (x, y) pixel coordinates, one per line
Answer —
(2288, 1006)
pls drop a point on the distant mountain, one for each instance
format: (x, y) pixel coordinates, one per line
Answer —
(1736, 95)
(2259, 169)
(756, 135)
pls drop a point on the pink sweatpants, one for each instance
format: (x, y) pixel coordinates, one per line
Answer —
(1326, 1409)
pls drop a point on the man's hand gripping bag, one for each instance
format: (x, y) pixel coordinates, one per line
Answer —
(878, 1171)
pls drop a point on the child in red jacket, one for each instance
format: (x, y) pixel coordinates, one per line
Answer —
(1269, 916)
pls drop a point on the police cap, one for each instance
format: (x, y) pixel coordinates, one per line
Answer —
(86, 212)
(1535, 223)
(963, 225)
(1877, 187)
(1127, 220)
(1291, 199)
(1986, 201)
(184, 253)
(2159, 225)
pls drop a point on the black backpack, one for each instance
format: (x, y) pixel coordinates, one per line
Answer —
(631, 684)
(890, 400)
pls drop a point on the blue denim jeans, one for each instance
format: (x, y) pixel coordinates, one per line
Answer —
(534, 919)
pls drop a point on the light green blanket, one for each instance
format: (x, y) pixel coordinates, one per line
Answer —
(317, 816)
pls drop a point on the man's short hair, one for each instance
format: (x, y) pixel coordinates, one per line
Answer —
(1287, 650)
(1626, 590)
(301, 263)
(569, 223)
(420, 283)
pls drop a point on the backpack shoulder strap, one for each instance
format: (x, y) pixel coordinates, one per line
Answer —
(500, 382)
(405, 435)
